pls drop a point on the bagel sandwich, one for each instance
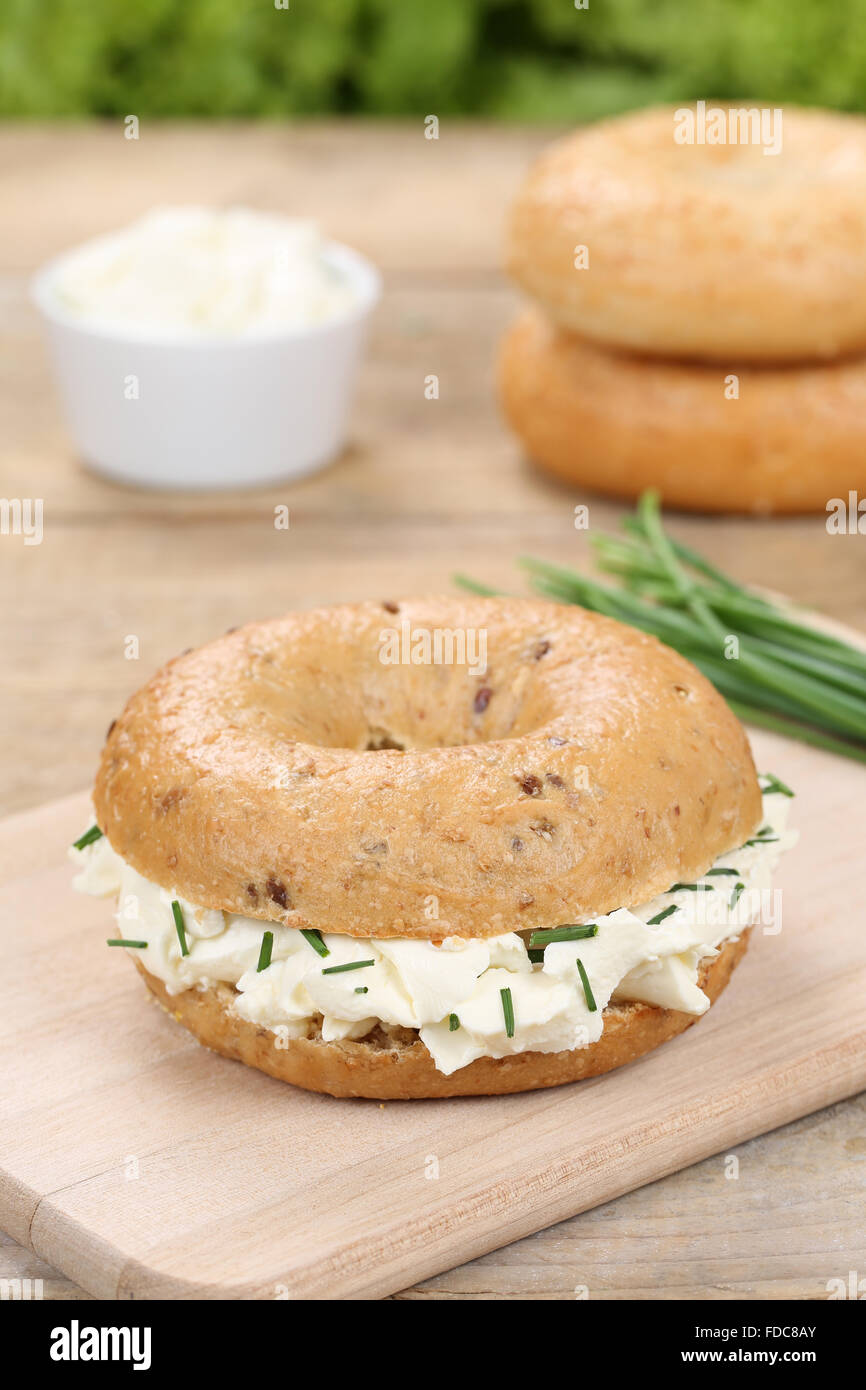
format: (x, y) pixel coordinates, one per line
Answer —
(447, 846)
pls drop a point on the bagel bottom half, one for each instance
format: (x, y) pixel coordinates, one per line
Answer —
(394, 1064)
(792, 439)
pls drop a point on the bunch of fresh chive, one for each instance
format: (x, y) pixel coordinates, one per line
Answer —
(782, 673)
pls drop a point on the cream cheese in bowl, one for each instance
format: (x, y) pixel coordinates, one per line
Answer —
(207, 347)
(200, 272)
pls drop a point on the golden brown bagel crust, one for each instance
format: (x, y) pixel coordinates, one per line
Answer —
(794, 438)
(588, 769)
(710, 251)
(390, 1068)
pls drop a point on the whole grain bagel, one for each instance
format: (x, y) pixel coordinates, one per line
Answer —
(285, 772)
(716, 251)
(791, 439)
(392, 1064)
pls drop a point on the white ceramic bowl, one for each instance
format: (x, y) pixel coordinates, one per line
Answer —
(217, 413)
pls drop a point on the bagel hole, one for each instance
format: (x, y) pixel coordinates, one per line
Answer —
(377, 739)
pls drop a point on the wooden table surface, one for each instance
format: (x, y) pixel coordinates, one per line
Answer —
(426, 488)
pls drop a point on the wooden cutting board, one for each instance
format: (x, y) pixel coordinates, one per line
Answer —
(143, 1166)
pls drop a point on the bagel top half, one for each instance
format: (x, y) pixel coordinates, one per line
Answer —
(286, 772)
(706, 250)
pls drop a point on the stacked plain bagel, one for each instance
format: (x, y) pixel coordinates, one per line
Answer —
(700, 313)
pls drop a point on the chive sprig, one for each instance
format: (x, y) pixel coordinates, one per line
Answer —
(788, 675)
(587, 990)
(88, 838)
(349, 965)
(179, 926)
(314, 938)
(660, 916)
(507, 1011)
(570, 932)
(267, 947)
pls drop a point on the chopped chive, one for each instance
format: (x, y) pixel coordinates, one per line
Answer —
(350, 965)
(453, 1023)
(177, 914)
(121, 941)
(711, 873)
(590, 997)
(735, 896)
(775, 785)
(508, 1011)
(660, 916)
(265, 952)
(764, 836)
(94, 833)
(567, 933)
(537, 957)
(685, 888)
(361, 989)
(314, 939)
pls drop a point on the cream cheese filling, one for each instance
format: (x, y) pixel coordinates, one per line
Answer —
(466, 997)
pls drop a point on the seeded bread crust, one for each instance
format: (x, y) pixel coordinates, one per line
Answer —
(715, 252)
(395, 1065)
(587, 768)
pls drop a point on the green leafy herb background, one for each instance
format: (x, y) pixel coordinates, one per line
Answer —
(514, 59)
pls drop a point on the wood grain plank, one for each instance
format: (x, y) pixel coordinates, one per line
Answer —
(331, 1199)
(788, 1222)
